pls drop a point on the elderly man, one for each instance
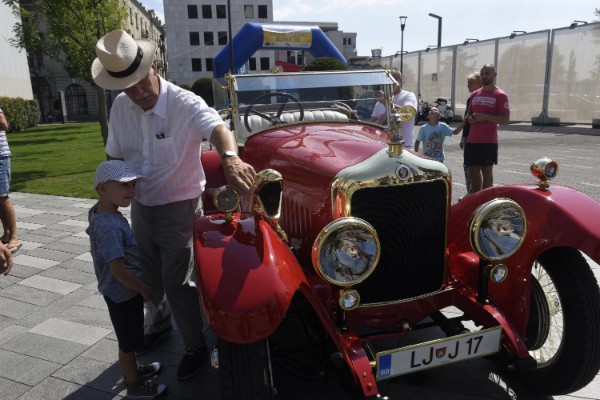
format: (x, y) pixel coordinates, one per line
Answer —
(157, 128)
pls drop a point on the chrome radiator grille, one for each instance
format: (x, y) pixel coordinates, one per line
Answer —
(411, 223)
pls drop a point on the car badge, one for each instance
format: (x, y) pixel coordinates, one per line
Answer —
(403, 172)
(441, 352)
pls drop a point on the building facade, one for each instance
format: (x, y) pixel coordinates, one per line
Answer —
(197, 30)
(14, 76)
(52, 85)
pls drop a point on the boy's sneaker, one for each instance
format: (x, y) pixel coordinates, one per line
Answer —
(148, 370)
(146, 390)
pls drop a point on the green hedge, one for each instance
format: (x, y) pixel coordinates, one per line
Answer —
(21, 114)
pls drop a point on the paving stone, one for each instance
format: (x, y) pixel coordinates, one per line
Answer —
(69, 275)
(55, 255)
(15, 309)
(34, 262)
(87, 316)
(70, 331)
(10, 332)
(43, 313)
(93, 373)
(85, 257)
(44, 347)
(22, 271)
(36, 237)
(25, 369)
(29, 245)
(77, 239)
(54, 388)
(29, 295)
(74, 222)
(50, 284)
(29, 226)
(66, 247)
(11, 390)
(78, 265)
(51, 232)
(95, 301)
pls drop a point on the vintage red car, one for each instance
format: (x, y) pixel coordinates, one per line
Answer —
(350, 244)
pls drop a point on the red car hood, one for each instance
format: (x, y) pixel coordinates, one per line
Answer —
(313, 151)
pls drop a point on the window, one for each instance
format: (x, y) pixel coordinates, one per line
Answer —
(262, 12)
(209, 64)
(76, 100)
(137, 21)
(249, 11)
(196, 64)
(347, 41)
(264, 64)
(252, 64)
(222, 38)
(130, 16)
(206, 11)
(192, 11)
(221, 11)
(194, 38)
(209, 39)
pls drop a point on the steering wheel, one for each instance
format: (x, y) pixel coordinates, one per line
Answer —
(275, 119)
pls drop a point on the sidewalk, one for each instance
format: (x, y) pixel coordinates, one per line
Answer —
(56, 338)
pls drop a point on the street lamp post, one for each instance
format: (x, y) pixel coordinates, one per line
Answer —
(402, 25)
(439, 28)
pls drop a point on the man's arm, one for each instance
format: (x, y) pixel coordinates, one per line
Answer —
(238, 174)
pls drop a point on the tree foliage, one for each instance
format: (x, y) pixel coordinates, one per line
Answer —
(325, 64)
(203, 87)
(67, 31)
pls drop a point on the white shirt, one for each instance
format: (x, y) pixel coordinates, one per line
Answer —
(163, 143)
(406, 98)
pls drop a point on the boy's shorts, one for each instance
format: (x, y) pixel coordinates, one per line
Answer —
(128, 322)
(4, 176)
(482, 154)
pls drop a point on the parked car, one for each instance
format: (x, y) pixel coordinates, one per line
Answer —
(349, 245)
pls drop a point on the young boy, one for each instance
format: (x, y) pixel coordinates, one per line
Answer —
(433, 134)
(117, 266)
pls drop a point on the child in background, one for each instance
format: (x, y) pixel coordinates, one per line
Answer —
(433, 134)
(117, 267)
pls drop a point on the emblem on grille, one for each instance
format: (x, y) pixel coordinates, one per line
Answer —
(403, 172)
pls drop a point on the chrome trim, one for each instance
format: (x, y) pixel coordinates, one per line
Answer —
(539, 169)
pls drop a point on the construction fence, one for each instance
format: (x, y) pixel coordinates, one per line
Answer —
(551, 77)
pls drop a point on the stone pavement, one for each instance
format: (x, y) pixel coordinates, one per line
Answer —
(56, 339)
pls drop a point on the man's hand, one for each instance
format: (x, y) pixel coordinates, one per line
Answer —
(238, 174)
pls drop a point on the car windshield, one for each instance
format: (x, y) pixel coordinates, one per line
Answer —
(265, 100)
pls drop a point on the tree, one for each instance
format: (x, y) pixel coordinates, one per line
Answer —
(74, 27)
(203, 87)
(325, 64)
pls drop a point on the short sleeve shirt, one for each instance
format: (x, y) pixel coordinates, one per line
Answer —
(4, 149)
(163, 143)
(406, 98)
(111, 238)
(494, 102)
(432, 139)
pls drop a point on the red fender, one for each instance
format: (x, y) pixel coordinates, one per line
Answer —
(247, 276)
(557, 217)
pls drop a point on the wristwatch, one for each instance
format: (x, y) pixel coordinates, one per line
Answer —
(229, 153)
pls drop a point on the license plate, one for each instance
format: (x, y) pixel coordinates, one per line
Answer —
(438, 352)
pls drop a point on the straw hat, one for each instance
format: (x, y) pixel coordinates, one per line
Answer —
(122, 60)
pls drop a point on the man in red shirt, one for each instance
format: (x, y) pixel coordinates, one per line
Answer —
(488, 108)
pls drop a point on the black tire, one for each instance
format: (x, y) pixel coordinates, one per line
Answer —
(563, 331)
(245, 371)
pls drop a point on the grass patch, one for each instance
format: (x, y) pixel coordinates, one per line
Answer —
(57, 160)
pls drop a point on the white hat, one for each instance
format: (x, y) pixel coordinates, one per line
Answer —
(115, 170)
(122, 60)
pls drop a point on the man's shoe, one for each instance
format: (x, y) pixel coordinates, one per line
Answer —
(151, 340)
(146, 390)
(191, 363)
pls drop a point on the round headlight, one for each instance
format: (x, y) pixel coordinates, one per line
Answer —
(226, 199)
(349, 299)
(497, 229)
(346, 251)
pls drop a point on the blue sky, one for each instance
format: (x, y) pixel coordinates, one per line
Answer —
(378, 26)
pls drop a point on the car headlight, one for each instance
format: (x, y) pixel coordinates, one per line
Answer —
(346, 251)
(497, 229)
(226, 199)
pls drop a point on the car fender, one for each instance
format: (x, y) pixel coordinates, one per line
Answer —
(246, 276)
(557, 217)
